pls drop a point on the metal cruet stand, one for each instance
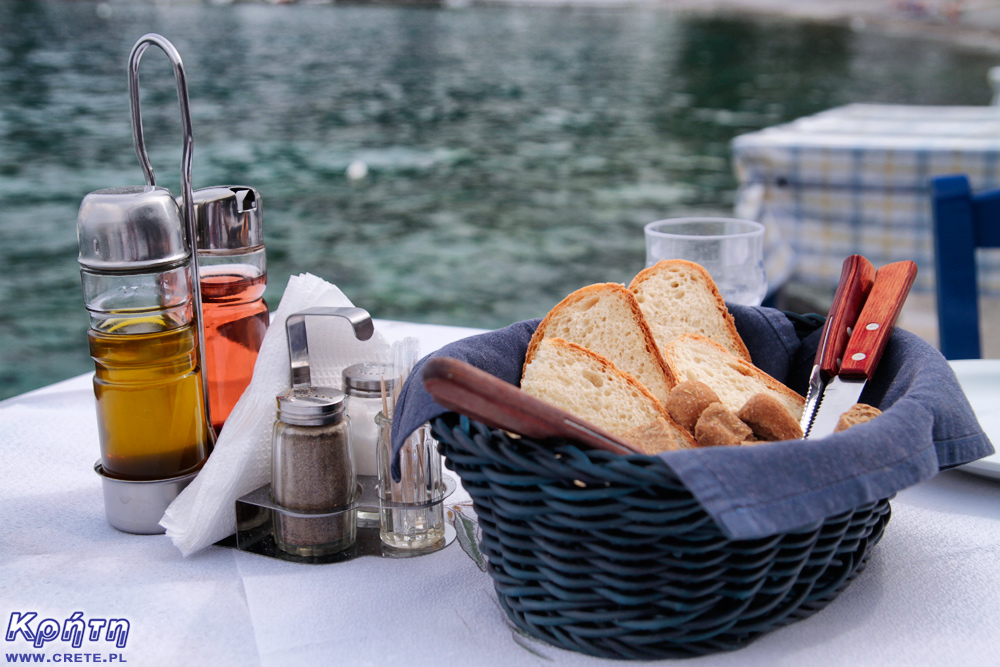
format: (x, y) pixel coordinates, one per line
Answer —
(135, 56)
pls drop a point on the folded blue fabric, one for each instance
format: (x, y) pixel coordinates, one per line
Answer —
(773, 488)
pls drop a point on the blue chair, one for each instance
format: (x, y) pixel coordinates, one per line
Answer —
(963, 221)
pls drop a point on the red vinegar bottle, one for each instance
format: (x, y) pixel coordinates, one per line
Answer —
(233, 275)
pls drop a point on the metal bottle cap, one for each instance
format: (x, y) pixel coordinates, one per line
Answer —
(135, 227)
(367, 378)
(228, 217)
(311, 406)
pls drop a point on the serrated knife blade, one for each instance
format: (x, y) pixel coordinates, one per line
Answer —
(869, 336)
(856, 279)
(836, 398)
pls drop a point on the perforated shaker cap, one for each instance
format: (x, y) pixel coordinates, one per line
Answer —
(311, 406)
(366, 378)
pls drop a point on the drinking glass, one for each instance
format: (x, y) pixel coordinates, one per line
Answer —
(730, 249)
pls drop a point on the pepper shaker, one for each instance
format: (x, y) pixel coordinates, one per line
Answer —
(312, 470)
(312, 465)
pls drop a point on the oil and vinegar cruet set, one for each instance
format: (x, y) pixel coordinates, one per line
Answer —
(174, 290)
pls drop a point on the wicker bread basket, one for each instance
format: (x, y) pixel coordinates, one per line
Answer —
(613, 556)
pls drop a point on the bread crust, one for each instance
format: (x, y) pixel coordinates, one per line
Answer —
(688, 400)
(655, 437)
(733, 342)
(719, 426)
(598, 291)
(769, 419)
(859, 413)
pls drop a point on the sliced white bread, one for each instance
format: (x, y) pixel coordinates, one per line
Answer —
(679, 297)
(587, 385)
(735, 380)
(605, 318)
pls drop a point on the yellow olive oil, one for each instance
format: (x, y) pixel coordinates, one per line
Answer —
(150, 405)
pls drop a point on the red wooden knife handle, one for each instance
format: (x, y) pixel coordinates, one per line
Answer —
(874, 325)
(856, 279)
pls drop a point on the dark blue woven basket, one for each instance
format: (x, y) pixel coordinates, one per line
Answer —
(612, 556)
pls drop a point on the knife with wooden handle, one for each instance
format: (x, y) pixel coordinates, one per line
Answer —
(867, 343)
(459, 386)
(856, 279)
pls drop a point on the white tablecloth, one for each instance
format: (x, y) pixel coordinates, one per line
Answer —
(928, 597)
(856, 179)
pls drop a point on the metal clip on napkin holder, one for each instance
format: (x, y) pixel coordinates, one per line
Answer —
(254, 511)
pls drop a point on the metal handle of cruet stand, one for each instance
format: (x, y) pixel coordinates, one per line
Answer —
(147, 168)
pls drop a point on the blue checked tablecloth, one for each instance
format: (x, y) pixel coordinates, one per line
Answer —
(856, 179)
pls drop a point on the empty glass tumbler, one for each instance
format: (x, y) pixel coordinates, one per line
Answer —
(730, 249)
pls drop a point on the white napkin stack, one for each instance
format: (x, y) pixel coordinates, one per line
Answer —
(205, 511)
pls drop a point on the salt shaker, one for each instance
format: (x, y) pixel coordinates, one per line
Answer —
(363, 384)
(312, 469)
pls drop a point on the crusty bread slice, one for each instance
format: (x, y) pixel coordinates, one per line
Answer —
(606, 319)
(735, 380)
(587, 385)
(679, 297)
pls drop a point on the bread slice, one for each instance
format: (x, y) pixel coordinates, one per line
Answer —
(735, 380)
(606, 319)
(587, 385)
(679, 297)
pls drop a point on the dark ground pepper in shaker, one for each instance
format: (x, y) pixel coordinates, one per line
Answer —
(312, 469)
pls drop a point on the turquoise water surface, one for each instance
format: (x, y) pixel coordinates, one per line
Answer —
(513, 154)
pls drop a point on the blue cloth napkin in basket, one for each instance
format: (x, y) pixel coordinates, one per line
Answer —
(773, 488)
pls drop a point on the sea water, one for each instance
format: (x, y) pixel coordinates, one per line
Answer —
(512, 155)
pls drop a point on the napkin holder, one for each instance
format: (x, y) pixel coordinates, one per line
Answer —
(256, 512)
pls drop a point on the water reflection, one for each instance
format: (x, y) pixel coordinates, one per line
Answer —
(513, 154)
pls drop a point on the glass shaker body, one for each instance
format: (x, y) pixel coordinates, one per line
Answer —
(233, 270)
(420, 484)
(363, 384)
(144, 341)
(312, 470)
